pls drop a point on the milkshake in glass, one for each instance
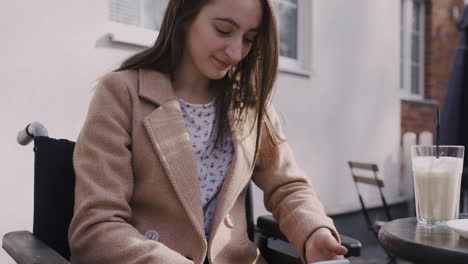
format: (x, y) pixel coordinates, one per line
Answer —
(437, 183)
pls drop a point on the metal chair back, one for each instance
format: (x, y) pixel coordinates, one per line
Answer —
(372, 181)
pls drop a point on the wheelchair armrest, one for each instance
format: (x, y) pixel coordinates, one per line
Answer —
(25, 248)
(268, 227)
(353, 246)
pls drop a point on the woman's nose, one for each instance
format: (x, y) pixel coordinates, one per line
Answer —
(234, 51)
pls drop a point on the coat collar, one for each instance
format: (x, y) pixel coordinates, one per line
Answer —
(155, 87)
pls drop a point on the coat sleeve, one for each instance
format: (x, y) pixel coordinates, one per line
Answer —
(288, 193)
(100, 231)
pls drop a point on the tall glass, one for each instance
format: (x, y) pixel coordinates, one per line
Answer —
(437, 183)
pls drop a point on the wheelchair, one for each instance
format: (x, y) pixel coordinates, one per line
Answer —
(54, 185)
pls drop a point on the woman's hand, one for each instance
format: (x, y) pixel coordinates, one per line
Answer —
(321, 246)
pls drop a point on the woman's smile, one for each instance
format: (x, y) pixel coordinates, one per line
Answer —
(220, 64)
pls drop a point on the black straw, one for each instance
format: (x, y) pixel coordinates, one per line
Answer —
(437, 132)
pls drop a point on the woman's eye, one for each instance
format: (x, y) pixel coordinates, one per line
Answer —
(248, 40)
(222, 32)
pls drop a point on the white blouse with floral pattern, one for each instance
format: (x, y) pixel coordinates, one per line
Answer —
(213, 161)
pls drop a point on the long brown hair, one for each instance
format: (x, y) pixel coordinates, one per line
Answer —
(246, 86)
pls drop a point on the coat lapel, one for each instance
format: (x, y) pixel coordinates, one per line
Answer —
(240, 172)
(167, 130)
(171, 141)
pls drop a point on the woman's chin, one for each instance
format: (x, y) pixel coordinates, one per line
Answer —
(216, 75)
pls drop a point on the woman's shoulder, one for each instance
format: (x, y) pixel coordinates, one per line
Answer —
(150, 85)
(274, 123)
(125, 78)
(132, 80)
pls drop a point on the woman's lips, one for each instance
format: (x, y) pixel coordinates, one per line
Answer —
(221, 63)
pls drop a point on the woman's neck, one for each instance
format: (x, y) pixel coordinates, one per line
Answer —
(192, 86)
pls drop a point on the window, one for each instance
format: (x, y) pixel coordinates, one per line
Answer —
(293, 16)
(137, 22)
(143, 13)
(287, 22)
(412, 49)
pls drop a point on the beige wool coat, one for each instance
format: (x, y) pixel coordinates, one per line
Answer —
(137, 197)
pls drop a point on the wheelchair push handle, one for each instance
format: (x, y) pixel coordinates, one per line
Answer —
(32, 130)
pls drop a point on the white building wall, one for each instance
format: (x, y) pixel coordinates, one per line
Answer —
(348, 108)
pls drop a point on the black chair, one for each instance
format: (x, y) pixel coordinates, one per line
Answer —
(374, 225)
(54, 182)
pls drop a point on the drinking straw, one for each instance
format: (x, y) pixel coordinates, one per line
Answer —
(437, 132)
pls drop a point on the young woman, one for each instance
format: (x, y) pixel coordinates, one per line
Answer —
(173, 137)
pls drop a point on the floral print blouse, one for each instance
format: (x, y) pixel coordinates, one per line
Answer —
(213, 160)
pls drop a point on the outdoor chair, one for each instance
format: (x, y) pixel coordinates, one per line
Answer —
(373, 224)
(54, 183)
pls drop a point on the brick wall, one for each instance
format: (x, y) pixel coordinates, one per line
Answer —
(417, 117)
(441, 37)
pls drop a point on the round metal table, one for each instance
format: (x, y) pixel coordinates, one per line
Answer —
(408, 240)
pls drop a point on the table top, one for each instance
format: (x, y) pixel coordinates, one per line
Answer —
(406, 239)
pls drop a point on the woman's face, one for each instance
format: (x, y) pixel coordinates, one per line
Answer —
(221, 35)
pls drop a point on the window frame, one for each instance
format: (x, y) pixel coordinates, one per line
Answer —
(129, 34)
(132, 35)
(302, 65)
(143, 37)
(406, 49)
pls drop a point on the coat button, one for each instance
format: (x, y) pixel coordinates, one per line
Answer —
(228, 220)
(152, 235)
